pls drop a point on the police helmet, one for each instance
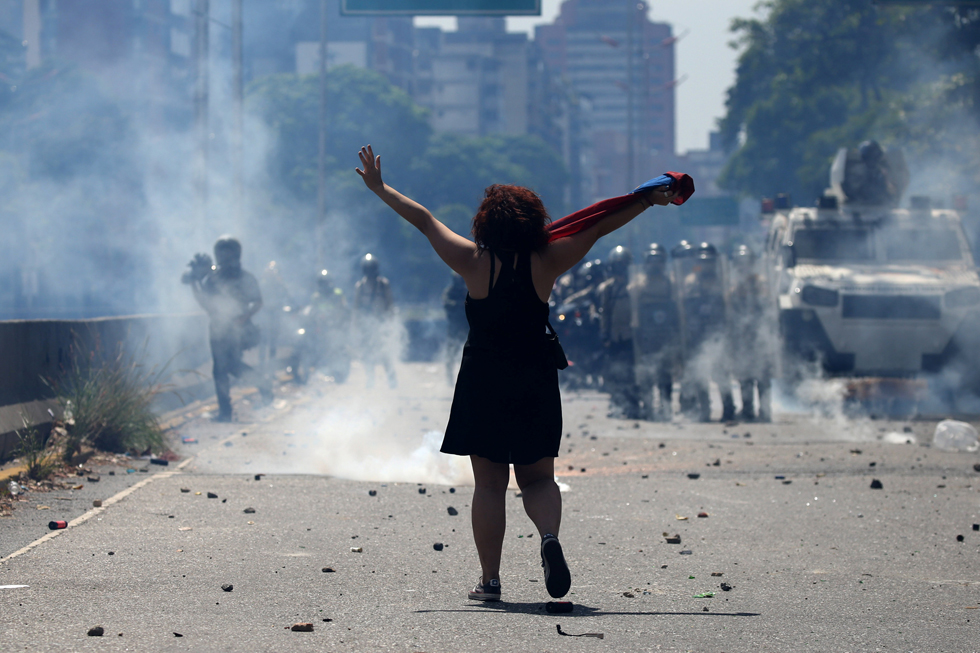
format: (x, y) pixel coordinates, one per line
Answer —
(227, 246)
(707, 251)
(369, 265)
(871, 152)
(655, 256)
(619, 258)
(682, 249)
(324, 282)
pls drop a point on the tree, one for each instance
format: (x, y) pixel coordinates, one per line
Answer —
(816, 75)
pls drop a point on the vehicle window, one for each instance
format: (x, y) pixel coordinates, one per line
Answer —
(833, 244)
(921, 244)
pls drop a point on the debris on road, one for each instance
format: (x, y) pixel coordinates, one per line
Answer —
(421, 490)
(249, 511)
(93, 479)
(876, 484)
(694, 476)
(705, 595)
(96, 631)
(188, 440)
(597, 635)
(438, 546)
(302, 628)
(327, 570)
(185, 490)
(212, 495)
(960, 538)
(725, 587)
(97, 503)
(57, 524)
(702, 515)
(176, 634)
(159, 461)
(452, 511)
(672, 539)
(557, 607)
(227, 587)
(717, 573)
(680, 517)
(687, 552)
(357, 549)
(372, 493)
(629, 595)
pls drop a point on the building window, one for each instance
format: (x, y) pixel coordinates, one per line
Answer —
(180, 7)
(180, 43)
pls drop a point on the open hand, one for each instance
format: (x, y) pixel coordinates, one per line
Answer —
(371, 174)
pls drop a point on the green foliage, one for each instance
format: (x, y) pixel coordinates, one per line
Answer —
(362, 108)
(817, 75)
(40, 462)
(456, 170)
(109, 401)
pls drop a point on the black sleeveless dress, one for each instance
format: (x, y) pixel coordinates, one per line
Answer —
(507, 406)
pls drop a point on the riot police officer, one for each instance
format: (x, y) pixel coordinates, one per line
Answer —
(750, 333)
(231, 297)
(374, 317)
(577, 324)
(330, 318)
(616, 335)
(655, 333)
(703, 311)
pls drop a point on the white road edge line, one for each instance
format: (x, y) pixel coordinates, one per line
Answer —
(81, 519)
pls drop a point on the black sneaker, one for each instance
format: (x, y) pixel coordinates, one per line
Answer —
(489, 591)
(556, 576)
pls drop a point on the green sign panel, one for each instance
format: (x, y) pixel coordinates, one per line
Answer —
(441, 7)
(709, 212)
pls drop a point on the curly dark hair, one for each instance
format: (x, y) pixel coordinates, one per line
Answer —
(511, 218)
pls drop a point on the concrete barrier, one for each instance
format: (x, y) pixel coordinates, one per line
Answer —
(36, 353)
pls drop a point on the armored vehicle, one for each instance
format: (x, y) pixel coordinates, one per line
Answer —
(864, 288)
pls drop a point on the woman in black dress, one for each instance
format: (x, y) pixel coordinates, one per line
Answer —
(506, 408)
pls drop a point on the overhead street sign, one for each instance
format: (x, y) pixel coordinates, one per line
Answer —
(440, 7)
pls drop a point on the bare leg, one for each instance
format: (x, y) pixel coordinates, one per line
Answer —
(489, 513)
(542, 499)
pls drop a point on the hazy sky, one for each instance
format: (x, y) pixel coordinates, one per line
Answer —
(703, 55)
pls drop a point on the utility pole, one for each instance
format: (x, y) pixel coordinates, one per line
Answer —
(202, 128)
(239, 121)
(321, 186)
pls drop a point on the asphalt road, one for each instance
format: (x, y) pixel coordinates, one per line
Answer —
(816, 561)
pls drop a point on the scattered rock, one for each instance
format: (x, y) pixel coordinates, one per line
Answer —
(302, 628)
(687, 552)
(452, 490)
(672, 539)
(112, 553)
(976, 467)
(976, 527)
(328, 570)
(229, 444)
(258, 477)
(452, 511)
(704, 609)
(93, 479)
(227, 587)
(872, 464)
(629, 595)
(717, 463)
(787, 482)
(725, 587)
(372, 493)
(856, 452)
(249, 511)
(212, 495)
(96, 631)
(96, 503)
(327, 619)
(960, 538)
(717, 573)
(694, 476)
(438, 546)
(176, 634)
(876, 484)
(421, 490)
(185, 490)
(357, 549)
(583, 470)
(112, 473)
(702, 515)
(158, 461)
